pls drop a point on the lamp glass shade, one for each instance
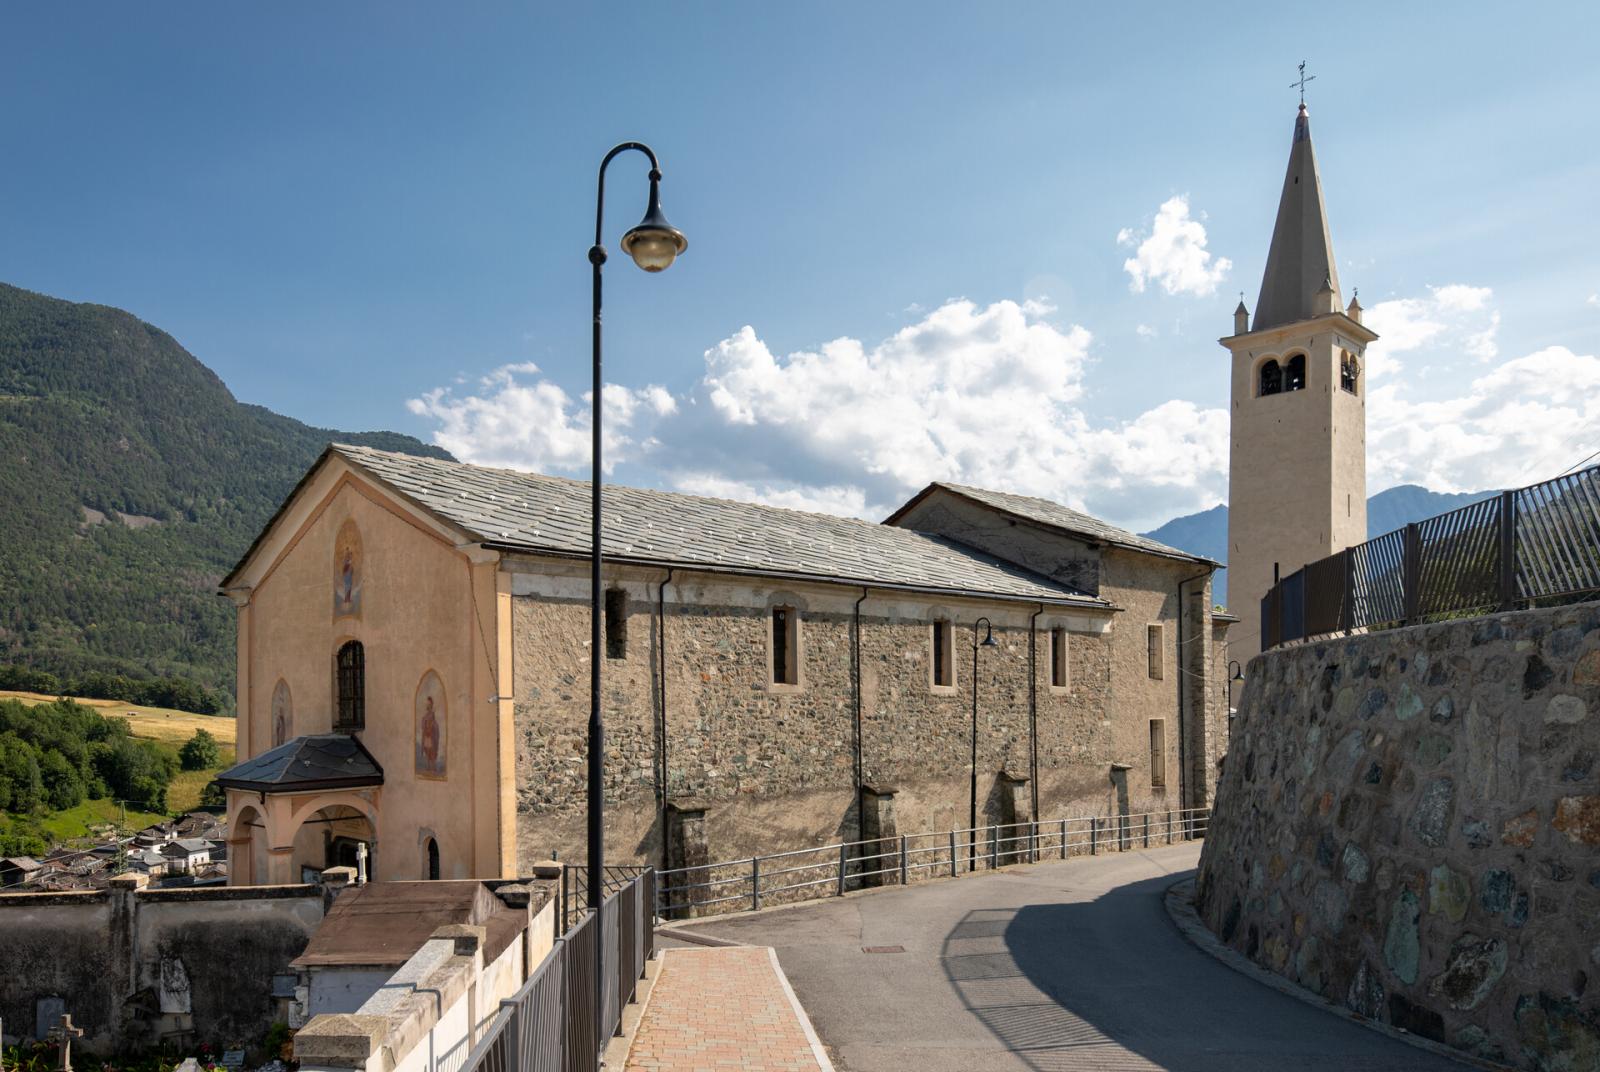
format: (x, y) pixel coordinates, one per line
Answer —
(654, 244)
(653, 249)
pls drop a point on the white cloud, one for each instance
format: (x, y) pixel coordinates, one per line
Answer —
(1450, 318)
(1174, 253)
(1145, 331)
(1593, 300)
(987, 395)
(1524, 420)
(523, 425)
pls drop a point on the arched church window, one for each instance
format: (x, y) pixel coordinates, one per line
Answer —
(1295, 375)
(433, 859)
(1349, 372)
(1271, 378)
(352, 686)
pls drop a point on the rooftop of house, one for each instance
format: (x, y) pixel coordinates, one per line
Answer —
(186, 847)
(20, 863)
(532, 513)
(1051, 515)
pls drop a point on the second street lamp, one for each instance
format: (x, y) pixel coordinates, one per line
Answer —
(972, 815)
(654, 244)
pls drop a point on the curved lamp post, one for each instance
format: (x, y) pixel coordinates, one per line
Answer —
(972, 816)
(653, 245)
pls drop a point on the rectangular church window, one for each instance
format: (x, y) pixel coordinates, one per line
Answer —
(785, 646)
(1152, 638)
(943, 663)
(616, 623)
(1058, 657)
(1158, 753)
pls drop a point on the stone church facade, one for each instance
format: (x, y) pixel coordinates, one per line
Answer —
(414, 666)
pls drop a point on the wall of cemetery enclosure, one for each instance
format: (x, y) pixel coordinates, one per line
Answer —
(135, 966)
(766, 769)
(1409, 825)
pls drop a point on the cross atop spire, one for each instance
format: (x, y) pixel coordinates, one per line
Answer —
(1304, 78)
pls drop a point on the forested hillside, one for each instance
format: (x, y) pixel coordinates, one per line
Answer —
(130, 481)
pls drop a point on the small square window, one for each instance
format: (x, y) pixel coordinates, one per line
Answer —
(785, 646)
(1155, 652)
(943, 664)
(1058, 658)
(616, 623)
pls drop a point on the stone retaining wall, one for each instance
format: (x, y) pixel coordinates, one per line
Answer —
(1408, 823)
(137, 967)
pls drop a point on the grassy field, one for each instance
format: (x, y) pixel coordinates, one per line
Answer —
(167, 728)
(154, 723)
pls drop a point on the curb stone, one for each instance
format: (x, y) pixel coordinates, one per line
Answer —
(1179, 901)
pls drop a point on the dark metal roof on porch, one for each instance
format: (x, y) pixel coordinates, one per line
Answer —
(304, 764)
(530, 512)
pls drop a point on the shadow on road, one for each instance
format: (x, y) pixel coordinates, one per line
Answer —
(1111, 984)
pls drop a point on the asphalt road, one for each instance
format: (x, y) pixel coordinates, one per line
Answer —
(1072, 965)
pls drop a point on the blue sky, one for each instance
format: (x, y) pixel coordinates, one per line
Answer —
(348, 209)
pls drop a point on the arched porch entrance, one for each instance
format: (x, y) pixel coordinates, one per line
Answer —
(307, 805)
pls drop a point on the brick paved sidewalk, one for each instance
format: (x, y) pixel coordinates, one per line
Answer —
(712, 1010)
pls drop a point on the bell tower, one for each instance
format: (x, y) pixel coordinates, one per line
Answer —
(1297, 470)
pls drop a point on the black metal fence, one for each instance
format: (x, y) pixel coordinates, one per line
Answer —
(560, 1019)
(833, 870)
(1516, 548)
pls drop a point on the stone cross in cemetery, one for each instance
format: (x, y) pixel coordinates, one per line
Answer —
(63, 1034)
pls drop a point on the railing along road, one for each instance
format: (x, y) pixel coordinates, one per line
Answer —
(832, 870)
(1513, 549)
(559, 1021)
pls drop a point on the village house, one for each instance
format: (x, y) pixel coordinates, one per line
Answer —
(18, 870)
(413, 671)
(186, 855)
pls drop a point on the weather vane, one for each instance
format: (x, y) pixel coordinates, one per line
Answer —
(1301, 84)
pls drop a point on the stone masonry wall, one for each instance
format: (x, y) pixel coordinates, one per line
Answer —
(774, 769)
(134, 967)
(1409, 825)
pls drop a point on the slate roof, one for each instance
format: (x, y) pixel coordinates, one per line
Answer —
(530, 512)
(1054, 515)
(185, 847)
(317, 761)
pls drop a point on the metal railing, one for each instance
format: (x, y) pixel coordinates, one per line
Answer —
(575, 888)
(552, 1023)
(833, 870)
(1535, 543)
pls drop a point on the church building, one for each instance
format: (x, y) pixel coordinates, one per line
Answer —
(1297, 469)
(413, 672)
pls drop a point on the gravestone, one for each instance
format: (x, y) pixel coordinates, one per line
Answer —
(47, 1014)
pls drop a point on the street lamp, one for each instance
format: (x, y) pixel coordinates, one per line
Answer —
(972, 815)
(653, 245)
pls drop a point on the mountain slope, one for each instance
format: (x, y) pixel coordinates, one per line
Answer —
(1206, 533)
(132, 479)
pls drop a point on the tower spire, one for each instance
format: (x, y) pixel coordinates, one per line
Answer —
(1301, 258)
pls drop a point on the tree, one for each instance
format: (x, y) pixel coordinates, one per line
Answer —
(200, 752)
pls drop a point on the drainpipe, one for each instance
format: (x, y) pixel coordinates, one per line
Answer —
(1183, 729)
(1033, 708)
(856, 657)
(661, 641)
